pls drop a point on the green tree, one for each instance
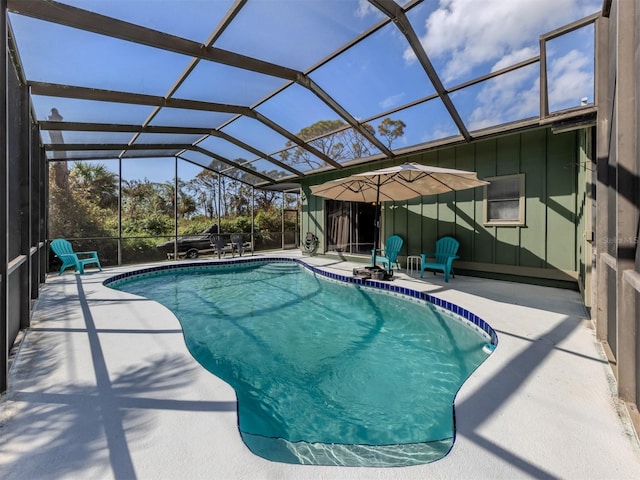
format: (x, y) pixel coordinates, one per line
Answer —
(186, 203)
(391, 130)
(338, 141)
(147, 207)
(86, 204)
(95, 183)
(265, 199)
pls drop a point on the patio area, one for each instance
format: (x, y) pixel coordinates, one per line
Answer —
(102, 386)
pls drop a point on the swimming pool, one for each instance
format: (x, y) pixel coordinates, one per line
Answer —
(325, 372)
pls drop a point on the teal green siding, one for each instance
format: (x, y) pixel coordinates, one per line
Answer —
(429, 218)
(414, 224)
(466, 215)
(445, 202)
(484, 245)
(548, 240)
(533, 164)
(560, 199)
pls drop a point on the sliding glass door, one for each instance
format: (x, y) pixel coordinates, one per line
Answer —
(350, 227)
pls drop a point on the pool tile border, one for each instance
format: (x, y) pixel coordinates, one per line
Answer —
(450, 307)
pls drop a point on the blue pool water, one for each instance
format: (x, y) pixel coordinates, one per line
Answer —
(325, 372)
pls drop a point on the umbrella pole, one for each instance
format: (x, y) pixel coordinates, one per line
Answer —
(376, 229)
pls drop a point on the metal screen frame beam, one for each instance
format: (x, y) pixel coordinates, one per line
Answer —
(396, 13)
(224, 23)
(84, 93)
(4, 205)
(293, 138)
(114, 96)
(627, 210)
(120, 127)
(306, 82)
(255, 151)
(220, 158)
(74, 17)
(24, 198)
(89, 21)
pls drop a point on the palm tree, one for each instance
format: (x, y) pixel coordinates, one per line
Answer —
(96, 182)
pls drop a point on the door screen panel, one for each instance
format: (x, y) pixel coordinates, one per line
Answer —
(350, 227)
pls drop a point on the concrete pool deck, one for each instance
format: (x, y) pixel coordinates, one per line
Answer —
(102, 386)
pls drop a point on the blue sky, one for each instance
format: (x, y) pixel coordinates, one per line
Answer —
(463, 38)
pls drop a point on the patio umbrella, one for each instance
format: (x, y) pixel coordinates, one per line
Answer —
(401, 182)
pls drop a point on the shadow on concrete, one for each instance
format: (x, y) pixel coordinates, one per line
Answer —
(78, 419)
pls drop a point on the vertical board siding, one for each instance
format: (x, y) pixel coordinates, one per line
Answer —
(508, 155)
(446, 201)
(506, 245)
(429, 209)
(313, 217)
(547, 240)
(561, 201)
(413, 243)
(484, 245)
(465, 227)
(533, 165)
(401, 223)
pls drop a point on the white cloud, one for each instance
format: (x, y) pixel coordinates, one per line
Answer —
(505, 98)
(391, 101)
(365, 8)
(514, 57)
(466, 33)
(569, 80)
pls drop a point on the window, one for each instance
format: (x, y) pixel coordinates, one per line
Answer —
(504, 200)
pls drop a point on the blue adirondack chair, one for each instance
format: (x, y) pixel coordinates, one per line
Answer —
(64, 251)
(442, 259)
(388, 254)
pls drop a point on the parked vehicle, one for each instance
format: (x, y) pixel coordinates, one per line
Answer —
(190, 246)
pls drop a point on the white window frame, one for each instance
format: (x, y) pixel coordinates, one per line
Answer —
(520, 221)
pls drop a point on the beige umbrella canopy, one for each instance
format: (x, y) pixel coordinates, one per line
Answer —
(401, 182)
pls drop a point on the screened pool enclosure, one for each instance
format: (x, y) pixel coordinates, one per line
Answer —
(136, 123)
(160, 115)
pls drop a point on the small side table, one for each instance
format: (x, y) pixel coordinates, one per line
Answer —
(414, 262)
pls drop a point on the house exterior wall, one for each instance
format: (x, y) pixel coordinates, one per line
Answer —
(549, 244)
